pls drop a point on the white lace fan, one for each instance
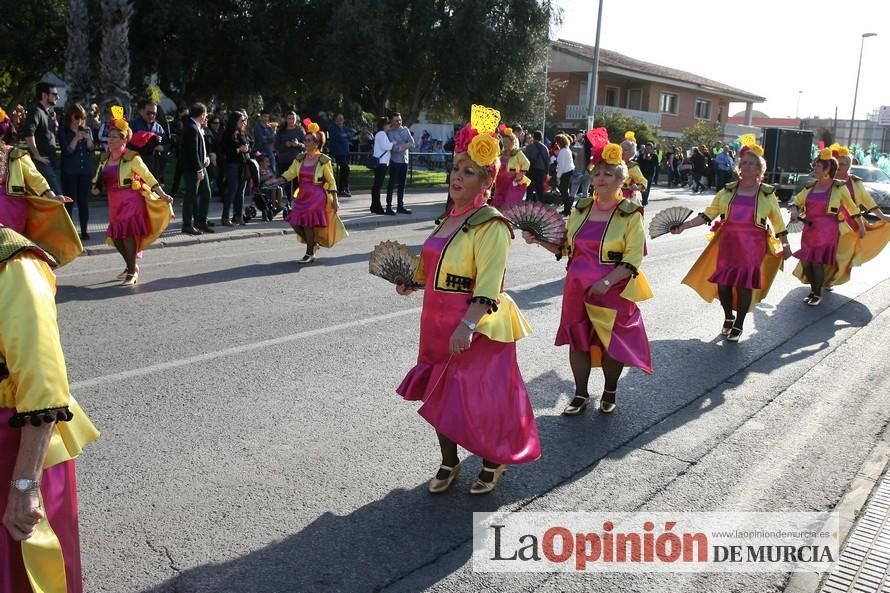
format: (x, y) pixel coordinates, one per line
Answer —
(664, 221)
(393, 261)
(541, 220)
(796, 226)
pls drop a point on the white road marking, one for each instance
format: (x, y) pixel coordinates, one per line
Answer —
(208, 356)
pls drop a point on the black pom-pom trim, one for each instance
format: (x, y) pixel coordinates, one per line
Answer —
(633, 270)
(492, 304)
(559, 256)
(38, 417)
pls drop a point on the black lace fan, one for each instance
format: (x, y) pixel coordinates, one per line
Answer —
(393, 261)
(667, 219)
(541, 220)
(796, 226)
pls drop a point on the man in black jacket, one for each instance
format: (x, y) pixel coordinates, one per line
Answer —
(193, 155)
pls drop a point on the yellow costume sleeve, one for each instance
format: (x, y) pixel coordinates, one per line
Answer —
(33, 179)
(327, 171)
(862, 197)
(775, 215)
(847, 201)
(491, 245)
(29, 335)
(717, 206)
(800, 200)
(634, 239)
(636, 176)
(293, 171)
(145, 175)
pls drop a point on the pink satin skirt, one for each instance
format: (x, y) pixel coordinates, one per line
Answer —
(59, 491)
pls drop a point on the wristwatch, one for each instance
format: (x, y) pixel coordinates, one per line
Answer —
(26, 484)
(606, 282)
(470, 325)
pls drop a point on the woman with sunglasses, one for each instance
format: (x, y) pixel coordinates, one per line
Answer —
(76, 141)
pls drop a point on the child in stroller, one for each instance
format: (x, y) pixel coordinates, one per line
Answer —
(269, 199)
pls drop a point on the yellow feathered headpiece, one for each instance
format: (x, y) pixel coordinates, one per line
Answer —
(748, 140)
(629, 135)
(117, 118)
(825, 154)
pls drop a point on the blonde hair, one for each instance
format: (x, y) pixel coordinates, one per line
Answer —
(619, 170)
(847, 158)
(629, 144)
(125, 134)
(761, 162)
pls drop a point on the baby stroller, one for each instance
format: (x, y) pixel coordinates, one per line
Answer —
(270, 200)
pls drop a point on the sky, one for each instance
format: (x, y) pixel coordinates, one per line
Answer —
(773, 48)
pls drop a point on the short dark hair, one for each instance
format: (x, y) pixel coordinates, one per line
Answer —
(264, 112)
(43, 89)
(143, 103)
(197, 110)
(381, 122)
(537, 135)
(394, 114)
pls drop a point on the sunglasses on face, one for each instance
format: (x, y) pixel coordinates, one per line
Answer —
(151, 113)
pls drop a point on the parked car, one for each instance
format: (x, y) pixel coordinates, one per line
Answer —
(876, 181)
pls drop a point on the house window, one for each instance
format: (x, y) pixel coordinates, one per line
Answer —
(612, 96)
(669, 103)
(635, 99)
(702, 109)
(583, 99)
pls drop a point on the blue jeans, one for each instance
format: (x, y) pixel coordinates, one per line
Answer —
(398, 173)
(235, 187)
(77, 187)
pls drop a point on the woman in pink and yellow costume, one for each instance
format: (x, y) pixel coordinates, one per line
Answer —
(314, 216)
(42, 429)
(28, 205)
(635, 182)
(877, 235)
(512, 181)
(824, 257)
(744, 254)
(601, 323)
(467, 375)
(138, 207)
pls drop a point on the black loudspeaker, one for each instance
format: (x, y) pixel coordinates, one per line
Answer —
(787, 150)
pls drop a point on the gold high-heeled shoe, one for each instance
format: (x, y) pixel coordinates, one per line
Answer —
(607, 407)
(575, 409)
(123, 274)
(130, 279)
(480, 487)
(437, 486)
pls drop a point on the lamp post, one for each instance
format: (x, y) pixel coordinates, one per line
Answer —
(856, 91)
(797, 111)
(594, 77)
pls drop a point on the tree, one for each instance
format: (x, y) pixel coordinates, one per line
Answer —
(618, 124)
(77, 51)
(32, 36)
(701, 133)
(114, 59)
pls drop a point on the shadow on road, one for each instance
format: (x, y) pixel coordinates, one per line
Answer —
(412, 539)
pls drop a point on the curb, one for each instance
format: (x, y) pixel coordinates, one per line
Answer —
(419, 216)
(849, 508)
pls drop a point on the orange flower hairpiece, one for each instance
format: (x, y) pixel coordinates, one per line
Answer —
(825, 154)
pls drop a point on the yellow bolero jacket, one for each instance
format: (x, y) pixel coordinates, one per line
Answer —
(838, 197)
(474, 262)
(634, 175)
(133, 173)
(324, 172)
(48, 223)
(33, 375)
(768, 211)
(861, 196)
(623, 243)
(519, 163)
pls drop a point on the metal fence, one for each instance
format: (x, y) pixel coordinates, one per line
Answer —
(421, 161)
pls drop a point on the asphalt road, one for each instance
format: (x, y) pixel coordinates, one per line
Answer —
(252, 440)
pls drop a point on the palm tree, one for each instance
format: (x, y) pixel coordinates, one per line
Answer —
(114, 58)
(77, 53)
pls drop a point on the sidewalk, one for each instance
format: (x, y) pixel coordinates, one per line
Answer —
(425, 204)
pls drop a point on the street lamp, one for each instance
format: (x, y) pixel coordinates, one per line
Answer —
(856, 91)
(594, 76)
(797, 111)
